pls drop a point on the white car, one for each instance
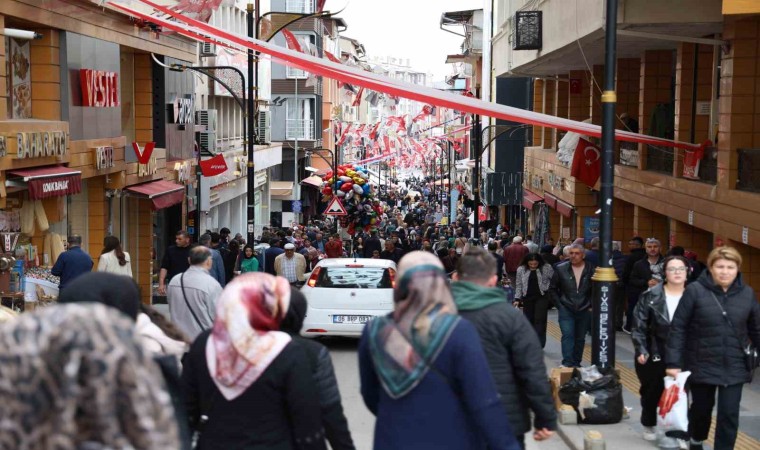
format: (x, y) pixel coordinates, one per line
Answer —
(344, 294)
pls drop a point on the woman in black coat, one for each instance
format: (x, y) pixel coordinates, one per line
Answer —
(247, 385)
(652, 316)
(333, 419)
(718, 315)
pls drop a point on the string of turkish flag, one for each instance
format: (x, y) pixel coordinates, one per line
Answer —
(392, 88)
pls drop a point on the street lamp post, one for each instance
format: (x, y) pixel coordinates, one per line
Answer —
(603, 335)
(334, 171)
(206, 70)
(478, 148)
(252, 21)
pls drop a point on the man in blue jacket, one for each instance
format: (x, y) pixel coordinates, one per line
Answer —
(72, 263)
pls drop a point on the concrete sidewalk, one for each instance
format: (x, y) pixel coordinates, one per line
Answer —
(627, 434)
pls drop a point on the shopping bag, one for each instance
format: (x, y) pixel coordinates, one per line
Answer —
(673, 409)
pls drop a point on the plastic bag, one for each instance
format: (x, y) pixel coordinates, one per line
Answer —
(596, 402)
(590, 374)
(673, 409)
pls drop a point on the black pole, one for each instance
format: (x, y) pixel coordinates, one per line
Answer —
(603, 335)
(251, 114)
(477, 147)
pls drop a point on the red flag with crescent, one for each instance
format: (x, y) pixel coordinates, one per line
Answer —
(587, 164)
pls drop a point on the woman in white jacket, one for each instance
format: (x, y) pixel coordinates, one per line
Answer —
(113, 259)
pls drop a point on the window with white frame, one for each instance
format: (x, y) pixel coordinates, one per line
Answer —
(299, 6)
(299, 119)
(308, 45)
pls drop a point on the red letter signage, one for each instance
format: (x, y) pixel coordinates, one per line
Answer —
(99, 88)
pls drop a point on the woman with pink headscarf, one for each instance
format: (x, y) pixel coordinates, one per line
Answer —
(247, 385)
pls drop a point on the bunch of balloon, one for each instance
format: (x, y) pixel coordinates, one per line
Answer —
(352, 186)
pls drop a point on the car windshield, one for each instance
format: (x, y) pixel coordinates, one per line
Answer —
(354, 277)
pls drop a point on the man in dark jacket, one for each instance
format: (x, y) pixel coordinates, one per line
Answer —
(637, 253)
(333, 419)
(646, 273)
(511, 346)
(571, 288)
(274, 250)
(72, 263)
(371, 244)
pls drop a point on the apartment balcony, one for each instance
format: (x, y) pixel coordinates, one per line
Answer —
(301, 129)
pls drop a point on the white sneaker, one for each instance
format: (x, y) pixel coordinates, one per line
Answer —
(682, 444)
(649, 434)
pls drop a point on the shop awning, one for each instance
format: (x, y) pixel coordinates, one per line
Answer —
(529, 199)
(281, 188)
(161, 193)
(561, 207)
(313, 181)
(50, 181)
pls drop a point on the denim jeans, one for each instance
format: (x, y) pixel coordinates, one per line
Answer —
(574, 326)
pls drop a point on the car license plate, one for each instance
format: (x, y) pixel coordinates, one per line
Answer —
(351, 319)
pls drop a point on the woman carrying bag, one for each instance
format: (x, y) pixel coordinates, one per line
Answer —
(653, 313)
(717, 318)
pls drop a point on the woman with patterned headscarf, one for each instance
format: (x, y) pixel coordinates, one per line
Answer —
(74, 377)
(423, 370)
(247, 385)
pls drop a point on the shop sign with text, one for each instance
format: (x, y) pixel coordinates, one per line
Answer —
(184, 170)
(181, 110)
(40, 144)
(144, 170)
(99, 88)
(104, 158)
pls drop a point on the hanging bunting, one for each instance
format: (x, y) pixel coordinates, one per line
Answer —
(392, 88)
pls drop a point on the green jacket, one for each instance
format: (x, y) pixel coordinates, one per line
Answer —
(470, 296)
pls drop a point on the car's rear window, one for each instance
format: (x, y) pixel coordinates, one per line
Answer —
(354, 277)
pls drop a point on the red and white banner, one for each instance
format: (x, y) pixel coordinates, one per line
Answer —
(291, 40)
(213, 166)
(195, 29)
(40, 188)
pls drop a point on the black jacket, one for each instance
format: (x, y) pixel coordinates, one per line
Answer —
(636, 255)
(652, 323)
(279, 411)
(333, 419)
(566, 292)
(371, 244)
(517, 364)
(641, 274)
(701, 339)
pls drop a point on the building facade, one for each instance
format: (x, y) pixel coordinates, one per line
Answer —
(686, 70)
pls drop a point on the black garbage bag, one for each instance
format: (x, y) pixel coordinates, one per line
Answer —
(596, 402)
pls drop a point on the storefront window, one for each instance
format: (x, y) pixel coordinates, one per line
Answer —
(130, 233)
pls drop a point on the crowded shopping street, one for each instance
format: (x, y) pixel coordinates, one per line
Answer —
(437, 224)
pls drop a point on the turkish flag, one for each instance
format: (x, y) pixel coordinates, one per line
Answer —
(213, 166)
(587, 164)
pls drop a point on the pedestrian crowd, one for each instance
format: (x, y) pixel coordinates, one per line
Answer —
(462, 346)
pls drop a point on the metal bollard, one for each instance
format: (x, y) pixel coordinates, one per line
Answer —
(594, 440)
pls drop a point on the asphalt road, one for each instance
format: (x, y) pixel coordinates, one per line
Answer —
(361, 422)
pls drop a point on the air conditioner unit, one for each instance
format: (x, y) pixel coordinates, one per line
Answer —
(208, 49)
(263, 129)
(206, 118)
(206, 141)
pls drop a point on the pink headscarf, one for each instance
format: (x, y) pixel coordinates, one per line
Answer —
(245, 339)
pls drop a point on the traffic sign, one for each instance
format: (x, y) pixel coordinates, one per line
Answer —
(335, 208)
